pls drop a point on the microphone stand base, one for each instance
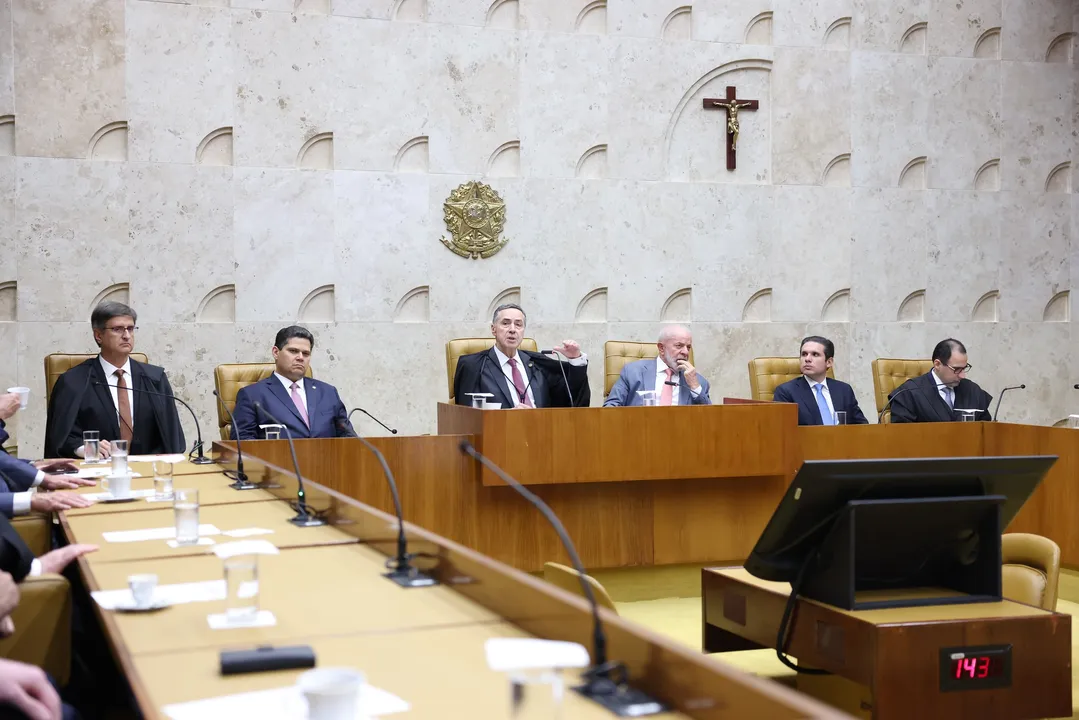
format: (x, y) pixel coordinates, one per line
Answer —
(202, 460)
(410, 578)
(243, 485)
(622, 701)
(307, 521)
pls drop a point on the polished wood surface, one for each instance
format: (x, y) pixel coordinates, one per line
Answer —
(895, 651)
(211, 492)
(425, 645)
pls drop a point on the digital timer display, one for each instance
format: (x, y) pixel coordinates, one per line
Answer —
(975, 668)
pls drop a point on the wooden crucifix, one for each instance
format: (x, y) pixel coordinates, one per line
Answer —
(732, 105)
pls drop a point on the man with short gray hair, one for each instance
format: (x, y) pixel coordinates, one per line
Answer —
(670, 377)
(516, 378)
(120, 398)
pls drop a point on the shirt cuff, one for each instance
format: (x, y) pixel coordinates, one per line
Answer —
(38, 479)
(697, 392)
(20, 502)
(35, 567)
(578, 361)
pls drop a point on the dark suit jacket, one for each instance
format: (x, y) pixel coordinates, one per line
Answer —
(476, 375)
(15, 556)
(325, 410)
(77, 404)
(17, 474)
(799, 391)
(918, 400)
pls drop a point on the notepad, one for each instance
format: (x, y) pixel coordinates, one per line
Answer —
(165, 533)
(98, 497)
(285, 703)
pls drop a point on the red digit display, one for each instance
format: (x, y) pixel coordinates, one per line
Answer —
(975, 668)
(983, 667)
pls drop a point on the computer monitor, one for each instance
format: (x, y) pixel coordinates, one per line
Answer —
(820, 491)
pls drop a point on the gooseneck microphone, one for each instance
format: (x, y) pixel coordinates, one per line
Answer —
(996, 411)
(240, 477)
(401, 570)
(201, 459)
(304, 517)
(343, 426)
(897, 393)
(606, 683)
(565, 380)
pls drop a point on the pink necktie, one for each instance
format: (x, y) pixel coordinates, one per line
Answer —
(666, 395)
(299, 403)
(519, 383)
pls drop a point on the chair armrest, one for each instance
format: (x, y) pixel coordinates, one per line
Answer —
(42, 626)
(35, 530)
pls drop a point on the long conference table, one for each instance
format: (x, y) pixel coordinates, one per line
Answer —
(648, 486)
(425, 645)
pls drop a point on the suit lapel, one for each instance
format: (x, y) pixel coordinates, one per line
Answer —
(99, 383)
(278, 389)
(312, 400)
(808, 399)
(685, 397)
(492, 373)
(936, 401)
(535, 380)
(650, 370)
(142, 402)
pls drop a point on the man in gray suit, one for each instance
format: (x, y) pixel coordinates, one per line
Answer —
(670, 375)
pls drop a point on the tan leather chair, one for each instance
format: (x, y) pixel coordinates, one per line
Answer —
(890, 373)
(42, 626)
(466, 346)
(569, 580)
(768, 373)
(57, 364)
(619, 353)
(35, 530)
(230, 379)
(1031, 569)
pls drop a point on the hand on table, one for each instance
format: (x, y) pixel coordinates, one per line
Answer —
(57, 560)
(57, 501)
(63, 482)
(26, 687)
(55, 466)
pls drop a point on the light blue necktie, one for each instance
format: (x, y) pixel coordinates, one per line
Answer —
(825, 414)
(948, 397)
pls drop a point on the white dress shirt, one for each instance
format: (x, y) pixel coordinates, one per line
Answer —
(943, 389)
(111, 380)
(20, 501)
(823, 391)
(661, 377)
(522, 364)
(299, 387)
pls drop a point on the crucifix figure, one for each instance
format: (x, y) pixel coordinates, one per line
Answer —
(732, 105)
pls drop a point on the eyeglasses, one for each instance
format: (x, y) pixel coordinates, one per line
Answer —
(958, 370)
(123, 329)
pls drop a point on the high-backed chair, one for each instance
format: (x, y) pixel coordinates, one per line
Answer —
(890, 373)
(1031, 569)
(466, 346)
(42, 626)
(230, 379)
(619, 353)
(57, 364)
(768, 373)
(570, 580)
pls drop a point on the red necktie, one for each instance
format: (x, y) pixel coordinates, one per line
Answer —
(123, 403)
(519, 383)
(666, 394)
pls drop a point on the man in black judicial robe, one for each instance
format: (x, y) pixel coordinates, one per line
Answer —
(104, 394)
(940, 394)
(520, 378)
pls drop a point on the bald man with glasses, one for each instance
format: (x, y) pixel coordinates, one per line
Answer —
(942, 393)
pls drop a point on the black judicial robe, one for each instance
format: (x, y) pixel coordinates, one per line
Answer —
(81, 401)
(476, 375)
(918, 400)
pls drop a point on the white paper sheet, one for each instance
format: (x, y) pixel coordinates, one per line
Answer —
(175, 594)
(98, 497)
(285, 703)
(246, 547)
(202, 541)
(221, 621)
(100, 472)
(164, 533)
(176, 458)
(506, 654)
(247, 532)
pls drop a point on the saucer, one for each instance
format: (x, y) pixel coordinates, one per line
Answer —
(131, 607)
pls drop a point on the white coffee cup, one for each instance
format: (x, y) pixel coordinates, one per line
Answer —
(332, 693)
(24, 395)
(142, 589)
(120, 486)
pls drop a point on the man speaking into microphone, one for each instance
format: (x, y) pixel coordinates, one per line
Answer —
(670, 375)
(935, 396)
(103, 394)
(518, 378)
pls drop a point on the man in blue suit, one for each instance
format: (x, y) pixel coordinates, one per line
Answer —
(818, 398)
(308, 408)
(669, 375)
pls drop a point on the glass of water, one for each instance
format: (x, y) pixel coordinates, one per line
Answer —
(185, 506)
(841, 417)
(536, 694)
(118, 452)
(91, 446)
(162, 480)
(241, 587)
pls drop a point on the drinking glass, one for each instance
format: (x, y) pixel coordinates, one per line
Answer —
(91, 446)
(968, 416)
(648, 397)
(1073, 422)
(185, 506)
(162, 479)
(536, 694)
(241, 587)
(841, 417)
(272, 432)
(118, 451)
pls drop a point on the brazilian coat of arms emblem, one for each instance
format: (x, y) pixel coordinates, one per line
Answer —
(475, 216)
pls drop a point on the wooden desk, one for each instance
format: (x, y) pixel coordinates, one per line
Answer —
(317, 591)
(895, 652)
(212, 486)
(269, 515)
